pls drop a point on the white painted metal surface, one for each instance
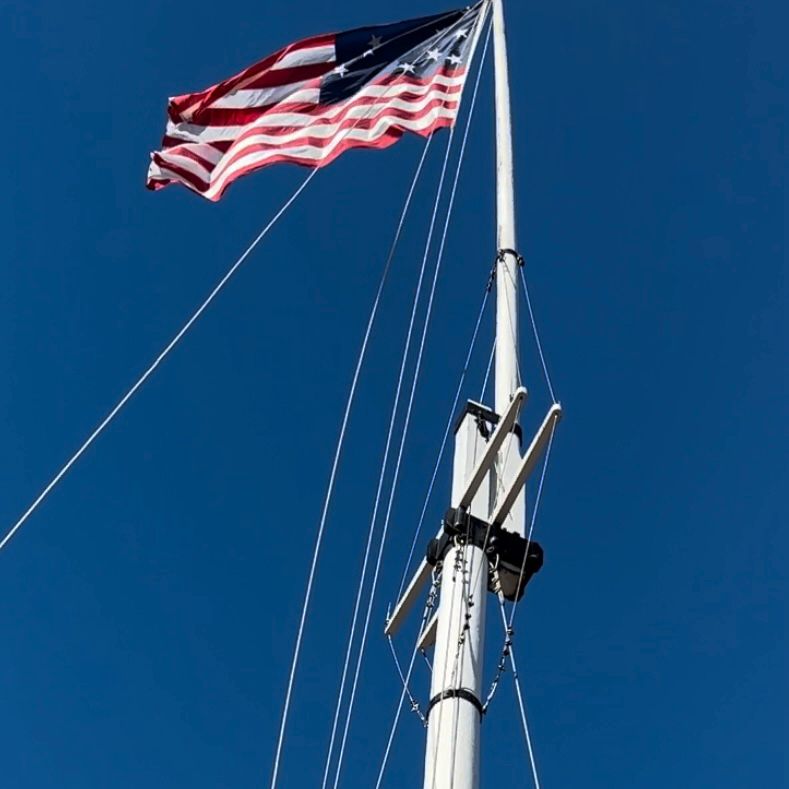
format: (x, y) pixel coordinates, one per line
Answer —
(453, 737)
(526, 466)
(429, 634)
(491, 450)
(453, 731)
(507, 373)
(506, 271)
(410, 596)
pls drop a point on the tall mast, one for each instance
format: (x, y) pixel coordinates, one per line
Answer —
(452, 759)
(481, 545)
(506, 272)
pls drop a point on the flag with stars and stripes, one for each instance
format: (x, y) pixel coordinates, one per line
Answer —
(312, 100)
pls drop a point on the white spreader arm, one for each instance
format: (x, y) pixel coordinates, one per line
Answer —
(487, 459)
(410, 596)
(536, 448)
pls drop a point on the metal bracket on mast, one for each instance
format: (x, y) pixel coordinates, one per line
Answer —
(504, 426)
(510, 549)
(517, 558)
(501, 256)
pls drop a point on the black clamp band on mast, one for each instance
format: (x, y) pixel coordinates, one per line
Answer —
(501, 256)
(455, 693)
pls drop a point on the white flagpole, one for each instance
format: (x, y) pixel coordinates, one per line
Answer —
(454, 714)
(508, 377)
(507, 269)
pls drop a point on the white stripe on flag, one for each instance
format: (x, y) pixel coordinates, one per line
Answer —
(306, 57)
(194, 133)
(185, 163)
(316, 154)
(263, 97)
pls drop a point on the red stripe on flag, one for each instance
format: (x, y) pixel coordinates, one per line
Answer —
(218, 117)
(181, 108)
(238, 150)
(319, 111)
(386, 140)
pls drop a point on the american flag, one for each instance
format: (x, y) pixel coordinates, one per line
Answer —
(312, 100)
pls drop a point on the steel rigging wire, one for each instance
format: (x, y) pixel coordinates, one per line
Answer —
(159, 359)
(379, 492)
(398, 711)
(426, 324)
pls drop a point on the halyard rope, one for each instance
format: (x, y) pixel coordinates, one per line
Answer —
(417, 370)
(473, 337)
(324, 513)
(461, 563)
(441, 249)
(371, 530)
(442, 448)
(468, 602)
(384, 464)
(487, 371)
(159, 359)
(395, 477)
(503, 266)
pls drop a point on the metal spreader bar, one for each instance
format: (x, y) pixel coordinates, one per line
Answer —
(533, 453)
(503, 428)
(428, 637)
(488, 458)
(410, 596)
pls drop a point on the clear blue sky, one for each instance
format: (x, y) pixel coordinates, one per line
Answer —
(148, 610)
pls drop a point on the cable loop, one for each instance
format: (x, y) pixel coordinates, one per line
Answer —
(501, 665)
